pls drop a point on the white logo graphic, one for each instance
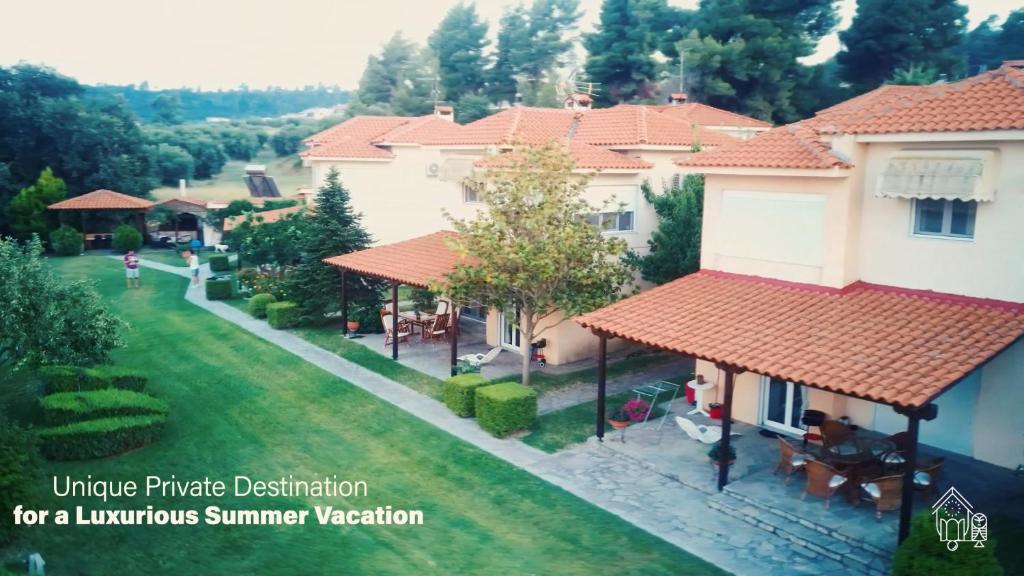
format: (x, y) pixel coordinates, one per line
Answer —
(957, 522)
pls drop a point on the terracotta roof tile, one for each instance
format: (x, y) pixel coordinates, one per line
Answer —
(883, 344)
(102, 200)
(419, 130)
(265, 217)
(792, 146)
(585, 156)
(704, 115)
(417, 262)
(193, 202)
(353, 138)
(626, 125)
(519, 125)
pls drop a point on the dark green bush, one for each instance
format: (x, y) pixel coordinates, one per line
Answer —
(923, 554)
(219, 263)
(102, 437)
(74, 379)
(504, 408)
(66, 241)
(282, 314)
(118, 377)
(460, 393)
(126, 237)
(258, 304)
(68, 407)
(219, 288)
(19, 473)
(368, 318)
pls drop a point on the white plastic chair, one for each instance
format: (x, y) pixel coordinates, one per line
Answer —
(481, 359)
(700, 432)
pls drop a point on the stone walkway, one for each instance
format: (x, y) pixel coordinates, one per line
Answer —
(599, 475)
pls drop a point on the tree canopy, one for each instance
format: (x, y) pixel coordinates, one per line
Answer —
(27, 213)
(675, 244)
(533, 249)
(459, 43)
(619, 52)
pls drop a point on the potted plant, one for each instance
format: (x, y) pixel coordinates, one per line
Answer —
(619, 419)
(716, 454)
(353, 326)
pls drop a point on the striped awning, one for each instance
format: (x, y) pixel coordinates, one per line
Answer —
(939, 174)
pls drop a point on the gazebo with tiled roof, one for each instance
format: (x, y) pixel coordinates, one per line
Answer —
(104, 201)
(419, 262)
(892, 346)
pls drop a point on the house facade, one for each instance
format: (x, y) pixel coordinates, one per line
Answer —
(405, 174)
(904, 188)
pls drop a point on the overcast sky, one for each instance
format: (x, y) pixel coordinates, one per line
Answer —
(223, 43)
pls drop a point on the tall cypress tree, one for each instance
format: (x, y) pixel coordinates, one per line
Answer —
(886, 35)
(619, 53)
(333, 228)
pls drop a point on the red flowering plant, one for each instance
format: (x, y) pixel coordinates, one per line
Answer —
(636, 409)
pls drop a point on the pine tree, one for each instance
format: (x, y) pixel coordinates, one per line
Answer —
(550, 25)
(619, 53)
(675, 244)
(513, 36)
(459, 43)
(887, 35)
(415, 94)
(332, 229)
(385, 72)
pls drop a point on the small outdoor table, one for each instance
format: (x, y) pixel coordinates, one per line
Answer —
(654, 391)
(422, 320)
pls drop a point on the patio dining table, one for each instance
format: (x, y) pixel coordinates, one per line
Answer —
(421, 319)
(861, 458)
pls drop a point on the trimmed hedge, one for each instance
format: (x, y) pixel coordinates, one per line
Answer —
(102, 437)
(126, 237)
(219, 288)
(74, 379)
(219, 263)
(258, 304)
(68, 407)
(282, 314)
(66, 241)
(460, 393)
(504, 408)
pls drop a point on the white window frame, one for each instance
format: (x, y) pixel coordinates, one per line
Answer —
(947, 220)
(617, 216)
(468, 191)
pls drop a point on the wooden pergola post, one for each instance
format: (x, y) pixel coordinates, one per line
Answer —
(344, 301)
(723, 460)
(602, 377)
(454, 344)
(914, 417)
(394, 320)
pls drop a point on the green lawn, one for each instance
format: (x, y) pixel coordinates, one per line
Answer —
(288, 172)
(172, 257)
(242, 406)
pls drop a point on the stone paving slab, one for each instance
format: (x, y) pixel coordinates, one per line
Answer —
(618, 484)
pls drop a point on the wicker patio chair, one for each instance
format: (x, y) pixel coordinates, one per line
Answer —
(834, 432)
(404, 328)
(886, 492)
(926, 478)
(791, 460)
(822, 481)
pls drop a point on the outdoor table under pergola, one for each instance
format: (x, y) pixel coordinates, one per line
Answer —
(891, 346)
(105, 201)
(420, 262)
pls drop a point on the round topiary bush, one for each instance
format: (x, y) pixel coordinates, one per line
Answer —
(66, 241)
(127, 238)
(258, 304)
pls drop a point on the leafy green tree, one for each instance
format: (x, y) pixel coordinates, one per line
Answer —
(334, 229)
(913, 75)
(533, 248)
(288, 140)
(27, 213)
(513, 36)
(619, 52)
(743, 55)
(885, 36)
(385, 72)
(980, 47)
(459, 43)
(675, 244)
(234, 208)
(45, 319)
(276, 244)
(172, 163)
(167, 108)
(472, 107)
(923, 554)
(19, 460)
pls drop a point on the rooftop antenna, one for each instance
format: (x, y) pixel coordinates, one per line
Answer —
(435, 90)
(682, 83)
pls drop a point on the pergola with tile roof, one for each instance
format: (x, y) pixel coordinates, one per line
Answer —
(105, 201)
(892, 346)
(419, 262)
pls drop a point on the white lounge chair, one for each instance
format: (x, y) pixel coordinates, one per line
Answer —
(700, 432)
(480, 359)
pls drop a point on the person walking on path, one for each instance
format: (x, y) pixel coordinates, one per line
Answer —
(193, 265)
(131, 269)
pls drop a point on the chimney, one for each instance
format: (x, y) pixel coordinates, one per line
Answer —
(578, 101)
(445, 113)
(677, 98)
(182, 191)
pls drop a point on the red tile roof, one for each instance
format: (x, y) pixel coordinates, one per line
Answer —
(102, 200)
(353, 138)
(184, 202)
(888, 345)
(704, 115)
(628, 125)
(520, 125)
(792, 146)
(419, 262)
(265, 217)
(585, 156)
(420, 129)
